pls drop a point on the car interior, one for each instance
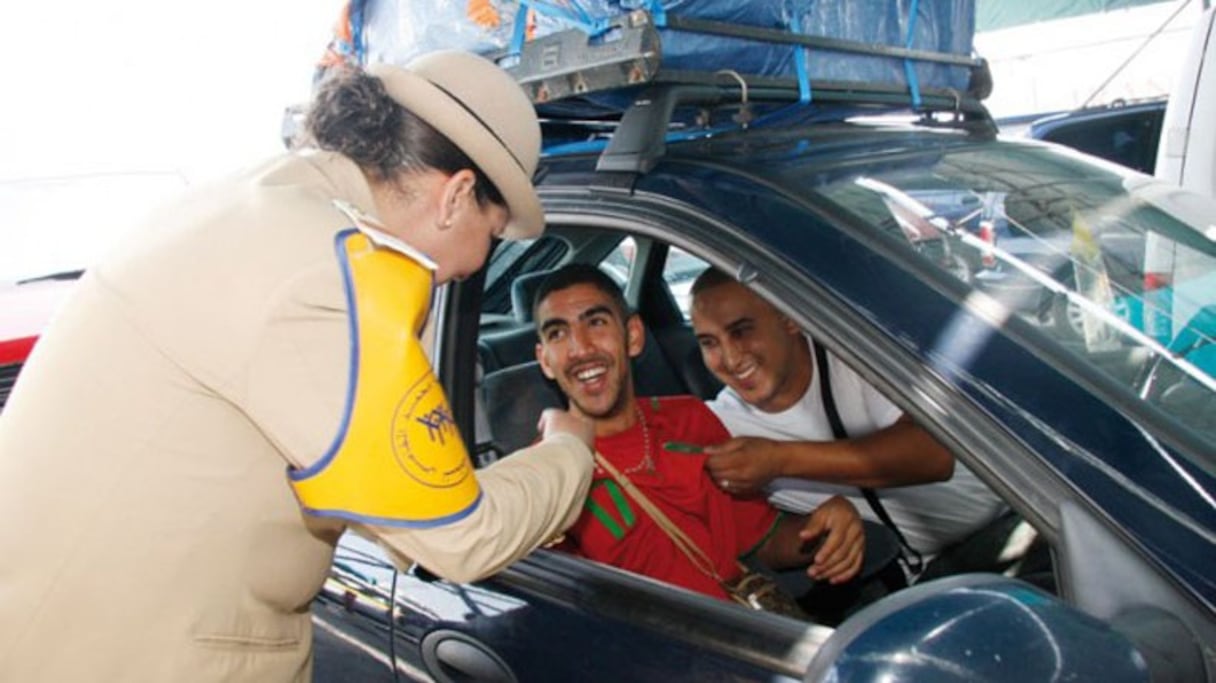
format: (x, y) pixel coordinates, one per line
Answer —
(655, 277)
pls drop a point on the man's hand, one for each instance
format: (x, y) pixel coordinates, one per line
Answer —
(743, 465)
(554, 421)
(838, 558)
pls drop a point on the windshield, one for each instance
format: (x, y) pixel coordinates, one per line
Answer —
(1118, 269)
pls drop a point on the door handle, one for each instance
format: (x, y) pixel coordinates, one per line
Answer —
(454, 657)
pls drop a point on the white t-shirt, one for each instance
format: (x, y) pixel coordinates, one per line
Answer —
(930, 516)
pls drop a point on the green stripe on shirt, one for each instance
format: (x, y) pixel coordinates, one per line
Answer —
(760, 544)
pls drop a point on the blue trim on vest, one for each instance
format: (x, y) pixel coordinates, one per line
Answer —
(396, 522)
(352, 318)
(426, 318)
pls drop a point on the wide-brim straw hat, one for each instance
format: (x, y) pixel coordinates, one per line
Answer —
(484, 112)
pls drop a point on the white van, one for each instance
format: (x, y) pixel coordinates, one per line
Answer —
(1177, 288)
(1187, 153)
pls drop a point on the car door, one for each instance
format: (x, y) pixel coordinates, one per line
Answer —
(554, 617)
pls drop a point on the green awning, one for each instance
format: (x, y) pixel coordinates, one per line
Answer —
(993, 14)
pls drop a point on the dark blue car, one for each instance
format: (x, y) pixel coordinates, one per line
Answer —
(1102, 439)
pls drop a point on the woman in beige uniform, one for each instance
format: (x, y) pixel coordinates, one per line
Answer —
(243, 381)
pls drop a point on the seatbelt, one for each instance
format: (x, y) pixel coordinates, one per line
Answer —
(910, 556)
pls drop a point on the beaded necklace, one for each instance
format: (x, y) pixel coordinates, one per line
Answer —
(646, 463)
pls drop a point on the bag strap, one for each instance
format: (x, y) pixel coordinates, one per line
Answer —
(911, 556)
(681, 540)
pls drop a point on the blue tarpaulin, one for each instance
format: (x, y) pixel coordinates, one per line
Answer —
(396, 30)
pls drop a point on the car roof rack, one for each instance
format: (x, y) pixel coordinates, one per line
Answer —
(616, 82)
(640, 136)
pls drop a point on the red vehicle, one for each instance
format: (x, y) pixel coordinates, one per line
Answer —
(28, 306)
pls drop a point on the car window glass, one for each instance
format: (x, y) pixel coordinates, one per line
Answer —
(619, 262)
(679, 272)
(1117, 269)
(1127, 138)
(502, 258)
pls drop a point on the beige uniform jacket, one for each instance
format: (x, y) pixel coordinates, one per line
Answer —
(148, 530)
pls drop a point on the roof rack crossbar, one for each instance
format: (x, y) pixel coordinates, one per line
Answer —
(783, 88)
(638, 142)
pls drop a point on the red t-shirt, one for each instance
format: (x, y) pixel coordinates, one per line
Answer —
(615, 530)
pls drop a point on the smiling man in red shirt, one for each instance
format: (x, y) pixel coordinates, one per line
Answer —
(586, 338)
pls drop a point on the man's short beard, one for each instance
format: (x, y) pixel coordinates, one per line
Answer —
(614, 410)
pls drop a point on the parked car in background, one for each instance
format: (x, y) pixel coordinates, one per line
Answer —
(1187, 154)
(27, 307)
(1171, 137)
(1126, 133)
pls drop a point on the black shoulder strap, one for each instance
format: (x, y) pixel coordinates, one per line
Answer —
(911, 555)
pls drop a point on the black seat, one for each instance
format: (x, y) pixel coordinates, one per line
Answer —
(514, 399)
(653, 374)
(516, 395)
(679, 344)
(507, 348)
(505, 345)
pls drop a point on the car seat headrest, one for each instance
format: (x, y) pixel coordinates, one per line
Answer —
(523, 292)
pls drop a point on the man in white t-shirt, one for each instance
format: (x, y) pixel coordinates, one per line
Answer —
(785, 443)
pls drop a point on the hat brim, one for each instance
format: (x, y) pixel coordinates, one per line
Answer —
(449, 117)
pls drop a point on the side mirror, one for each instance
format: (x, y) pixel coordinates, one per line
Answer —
(975, 627)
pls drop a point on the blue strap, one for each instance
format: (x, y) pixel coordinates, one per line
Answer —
(519, 32)
(909, 67)
(578, 18)
(657, 12)
(804, 81)
(355, 17)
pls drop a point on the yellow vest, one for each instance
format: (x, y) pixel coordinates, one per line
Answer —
(398, 458)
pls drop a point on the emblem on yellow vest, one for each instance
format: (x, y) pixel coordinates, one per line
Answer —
(422, 424)
(398, 458)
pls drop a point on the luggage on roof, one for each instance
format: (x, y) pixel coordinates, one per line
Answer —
(905, 43)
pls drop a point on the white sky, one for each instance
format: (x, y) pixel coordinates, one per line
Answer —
(185, 90)
(199, 86)
(196, 86)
